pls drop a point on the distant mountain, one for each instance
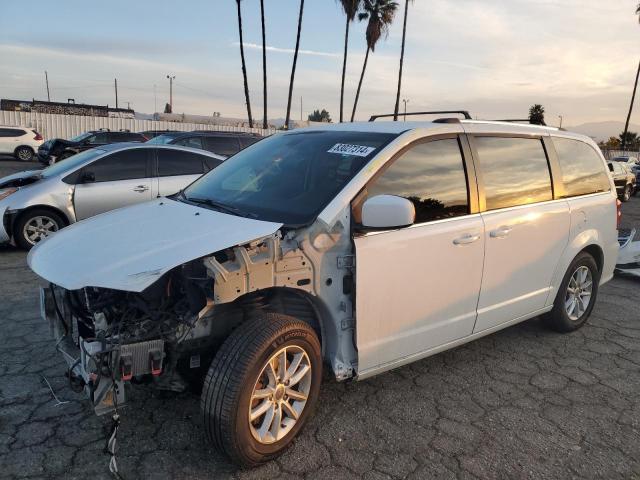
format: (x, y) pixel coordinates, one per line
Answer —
(603, 130)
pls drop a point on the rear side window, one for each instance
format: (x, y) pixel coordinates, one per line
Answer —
(193, 142)
(246, 141)
(122, 165)
(514, 171)
(222, 145)
(98, 138)
(583, 171)
(175, 162)
(432, 176)
(11, 132)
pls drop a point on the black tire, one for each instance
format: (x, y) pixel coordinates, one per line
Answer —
(635, 191)
(558, 319)
(626, 194)
(24, 154)
(229, 384)
(18, 227)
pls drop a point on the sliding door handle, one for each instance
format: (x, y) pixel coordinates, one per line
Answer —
(501, 232)
(466, 239)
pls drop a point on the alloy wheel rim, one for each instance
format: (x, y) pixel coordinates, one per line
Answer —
(578, 295)
(38, 228)
(24, 154)
(280, 394)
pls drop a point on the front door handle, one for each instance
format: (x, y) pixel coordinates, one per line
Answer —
(466, 239)
(141, 188)
(501, 232)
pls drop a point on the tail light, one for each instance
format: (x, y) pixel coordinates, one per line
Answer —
(38, 136)
(618, 213)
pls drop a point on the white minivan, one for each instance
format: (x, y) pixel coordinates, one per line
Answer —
(355, 247)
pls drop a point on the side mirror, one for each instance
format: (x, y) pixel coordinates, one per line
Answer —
(387, 211)
(88, 177)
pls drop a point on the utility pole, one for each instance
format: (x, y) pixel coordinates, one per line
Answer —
(115, 81)
(171, 79)
(405, 108)
(46, 79)
(300, 107)
(560, 117)
(633, 98)
(155, 99)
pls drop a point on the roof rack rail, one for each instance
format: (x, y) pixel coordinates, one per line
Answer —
(464, 113)
(521, 120)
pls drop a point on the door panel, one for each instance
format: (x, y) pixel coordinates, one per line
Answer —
(93, 198)
(171, 185)
(416, 288)
(522, 248)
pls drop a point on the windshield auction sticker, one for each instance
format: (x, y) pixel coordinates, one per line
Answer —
(347, 149)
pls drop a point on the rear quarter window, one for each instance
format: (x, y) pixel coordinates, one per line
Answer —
(583, 171)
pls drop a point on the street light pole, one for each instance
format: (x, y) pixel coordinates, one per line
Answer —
(171, 79)
(560, 117)
(405, 101)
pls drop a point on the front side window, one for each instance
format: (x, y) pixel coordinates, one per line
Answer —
(98, 138)
(431, 175)
(176, 162)
(11, 132)
(122, 165)
(514, 171)
(288, 178)
(583, 171)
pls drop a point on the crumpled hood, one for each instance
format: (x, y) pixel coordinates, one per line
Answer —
(17, 179)
(130, 248)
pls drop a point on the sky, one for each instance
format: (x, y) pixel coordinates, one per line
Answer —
(494, 58)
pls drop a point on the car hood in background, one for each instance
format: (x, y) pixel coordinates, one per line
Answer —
(130, 248)
(20, 179)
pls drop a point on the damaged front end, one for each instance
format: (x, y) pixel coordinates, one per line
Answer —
(629, 253)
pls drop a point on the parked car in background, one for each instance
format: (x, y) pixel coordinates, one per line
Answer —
(356, 247)
(628, 159)
(624, 179)
(34, 204)
(149, 134)
(222, 143)
(58, 149)
(21, 142)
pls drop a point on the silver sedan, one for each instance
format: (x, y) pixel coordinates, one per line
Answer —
(36, 203)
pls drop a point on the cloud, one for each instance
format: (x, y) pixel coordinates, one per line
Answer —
(291, 51)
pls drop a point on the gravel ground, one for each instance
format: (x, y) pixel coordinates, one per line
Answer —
(522, 403)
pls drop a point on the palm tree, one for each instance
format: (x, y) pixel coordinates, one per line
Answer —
(404, 34)
(293, 68)
(350, 8)
(244, 67)
(379, 14)
(633, 96)
(264, 67)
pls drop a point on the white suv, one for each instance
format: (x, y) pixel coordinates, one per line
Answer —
(21, 142)
(358, 246)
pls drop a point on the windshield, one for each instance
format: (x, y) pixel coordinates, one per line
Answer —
(287, 178)
(81, 137)
(163, 139)
(69, 164)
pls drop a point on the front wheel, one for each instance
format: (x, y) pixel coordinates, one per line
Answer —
(576, 295)
(626, 195)
(34, 226)
(261, 388)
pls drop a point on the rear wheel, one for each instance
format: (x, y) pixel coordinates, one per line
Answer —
(576, 295)
(35, 225)
(24, 154)
(261, 388)
(626, 195)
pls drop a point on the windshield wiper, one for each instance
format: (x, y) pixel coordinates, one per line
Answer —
(219, 206)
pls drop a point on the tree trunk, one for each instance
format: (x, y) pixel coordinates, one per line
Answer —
(633, 98)
(364, 67)
(293, 68)
(404, 34)
(264, 66)
(244, 68)
(344, 67)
